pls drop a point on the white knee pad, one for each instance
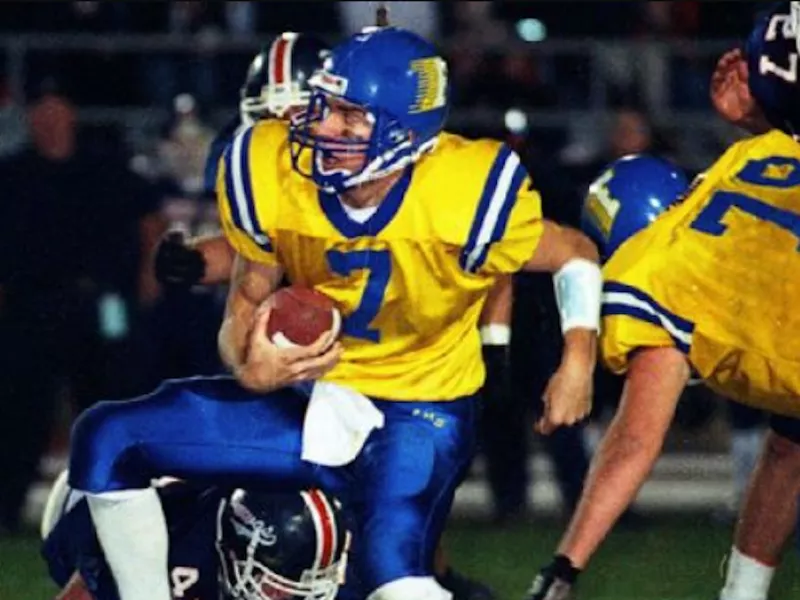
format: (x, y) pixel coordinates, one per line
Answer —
(60, 501)
(411, 588)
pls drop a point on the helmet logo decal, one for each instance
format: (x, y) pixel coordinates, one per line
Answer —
(328, 82)
(250, 526)
(787, 26)
(431, 84)
(600, 205)
(795, 10)
(258, 532)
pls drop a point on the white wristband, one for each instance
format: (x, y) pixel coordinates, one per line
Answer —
(578, 285)
(495, 334)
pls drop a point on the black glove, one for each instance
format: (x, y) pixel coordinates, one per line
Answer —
(497, 387)
(555, 581)
(177, 264)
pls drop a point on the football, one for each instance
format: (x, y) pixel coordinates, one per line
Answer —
(300, 315)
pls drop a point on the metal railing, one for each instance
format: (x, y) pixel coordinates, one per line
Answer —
(594, 112)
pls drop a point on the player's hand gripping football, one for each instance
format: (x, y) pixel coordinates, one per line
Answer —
(730, 94)
(568, 396)
(267, 367)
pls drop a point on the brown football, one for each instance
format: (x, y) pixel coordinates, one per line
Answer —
(300, 315)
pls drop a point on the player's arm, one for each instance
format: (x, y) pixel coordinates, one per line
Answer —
(245, 212)
(573, 260)
(182, 263)
(495, 330)
(656, 377)
(509, 217)
(251, 284)
(217, 257)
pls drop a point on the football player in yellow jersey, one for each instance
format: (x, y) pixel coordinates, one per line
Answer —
(275, 88)
(705, 290)
(407, 228)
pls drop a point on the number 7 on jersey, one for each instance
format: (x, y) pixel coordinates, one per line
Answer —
(378, 263)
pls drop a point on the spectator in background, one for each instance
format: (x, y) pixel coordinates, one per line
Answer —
(12, 123)
(475, 31)
(422, 18)
(167, 75)
(185, 322)
(76, 229)
(182, 153)
(518, 81)
(629, 132)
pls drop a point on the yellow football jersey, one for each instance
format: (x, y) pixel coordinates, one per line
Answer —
(718, 276)
(411, 280)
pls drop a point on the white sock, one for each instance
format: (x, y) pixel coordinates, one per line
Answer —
(132, 530)
(747, 578)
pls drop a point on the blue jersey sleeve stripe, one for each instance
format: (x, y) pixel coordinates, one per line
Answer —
(621, 299)
(222, 140)
(678, 321)
(611, 309)
(240, 191)
(258, 232)
(230, 192)
(502, 219)
(494, 194)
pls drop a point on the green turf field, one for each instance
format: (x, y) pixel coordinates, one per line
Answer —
(672, 559)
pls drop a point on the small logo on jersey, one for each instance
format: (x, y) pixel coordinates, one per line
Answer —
(600, 205)
(429, 415)
(431, 84)
(778, 172)
(250, 526)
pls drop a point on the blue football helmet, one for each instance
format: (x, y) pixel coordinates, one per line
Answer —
(772, 51)
(629, 194)
(282, 546)
(400, 80)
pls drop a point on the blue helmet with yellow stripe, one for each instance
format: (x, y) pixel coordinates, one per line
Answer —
(400, 80)
(627, 196)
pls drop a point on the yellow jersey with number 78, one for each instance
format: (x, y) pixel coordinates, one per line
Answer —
(718, 277)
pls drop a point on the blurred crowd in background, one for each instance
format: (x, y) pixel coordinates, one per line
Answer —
(103, 140)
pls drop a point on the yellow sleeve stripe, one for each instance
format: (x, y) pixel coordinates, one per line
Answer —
(494, 208)
(621, 299)
(239, 189)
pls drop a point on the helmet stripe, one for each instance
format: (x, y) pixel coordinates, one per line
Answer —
(280, 60)
(330, 521)
(324, 525)
(288, 52)
(277, 52)
(238, 189)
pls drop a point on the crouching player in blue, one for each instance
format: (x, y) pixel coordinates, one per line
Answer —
(224, 544)
(406, 227)
(708, 289)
